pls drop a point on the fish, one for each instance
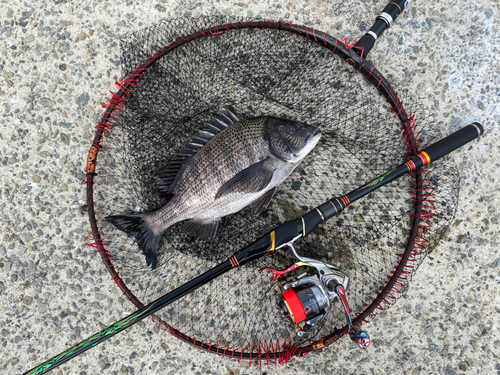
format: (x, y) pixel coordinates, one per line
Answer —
(229, 165)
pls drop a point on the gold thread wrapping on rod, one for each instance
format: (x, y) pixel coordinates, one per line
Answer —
(340, 204)
(320, 214)
(336, 211)
(400, 11)
(234, 262)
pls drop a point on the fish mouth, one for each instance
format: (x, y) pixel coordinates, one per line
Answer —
(315, 138)
(312, 136)
(311, 133)
(311, 141)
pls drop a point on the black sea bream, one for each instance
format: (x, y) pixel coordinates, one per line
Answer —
(230, 164)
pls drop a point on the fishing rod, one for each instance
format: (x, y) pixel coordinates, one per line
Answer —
(282, 236)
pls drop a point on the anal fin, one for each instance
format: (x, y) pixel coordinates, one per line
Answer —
(261, 204)
(202, 229)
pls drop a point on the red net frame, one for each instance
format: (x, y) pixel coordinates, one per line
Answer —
(274, 352)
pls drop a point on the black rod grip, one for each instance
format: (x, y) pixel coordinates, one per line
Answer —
(311, 221)
(322, 213)
(454, 141)
(435, 151)
(287, 231)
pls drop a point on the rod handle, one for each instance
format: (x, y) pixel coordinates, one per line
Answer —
(454, 141)
(392, 11)
(432, 153)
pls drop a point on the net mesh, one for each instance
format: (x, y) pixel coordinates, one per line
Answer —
(253, 73)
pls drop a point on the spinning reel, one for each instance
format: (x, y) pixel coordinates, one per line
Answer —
(307, 299)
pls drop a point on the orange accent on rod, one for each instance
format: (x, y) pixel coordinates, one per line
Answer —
(426, 157)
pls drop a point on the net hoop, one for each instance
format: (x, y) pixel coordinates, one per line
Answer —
(398, 281)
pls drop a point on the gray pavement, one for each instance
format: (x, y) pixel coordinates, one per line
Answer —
(59, 59)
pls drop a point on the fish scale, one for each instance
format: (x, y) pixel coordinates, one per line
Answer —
(215, 163)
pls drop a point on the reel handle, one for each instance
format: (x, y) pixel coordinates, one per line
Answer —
(361, 338)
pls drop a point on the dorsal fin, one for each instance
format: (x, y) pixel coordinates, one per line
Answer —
(206, 134)
(226, 117)
(169, 175)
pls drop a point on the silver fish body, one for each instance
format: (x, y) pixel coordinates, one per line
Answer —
(239, 166)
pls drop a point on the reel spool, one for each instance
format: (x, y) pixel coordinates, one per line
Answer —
(307, 303)
(307, 299)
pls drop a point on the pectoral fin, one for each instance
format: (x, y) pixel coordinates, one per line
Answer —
(252, 179)
(261, 204)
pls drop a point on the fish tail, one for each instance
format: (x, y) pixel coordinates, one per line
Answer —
(135, 225)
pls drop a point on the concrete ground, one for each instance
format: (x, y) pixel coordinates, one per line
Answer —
(59, 59)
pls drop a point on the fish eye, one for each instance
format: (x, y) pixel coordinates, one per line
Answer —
(294, 128)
